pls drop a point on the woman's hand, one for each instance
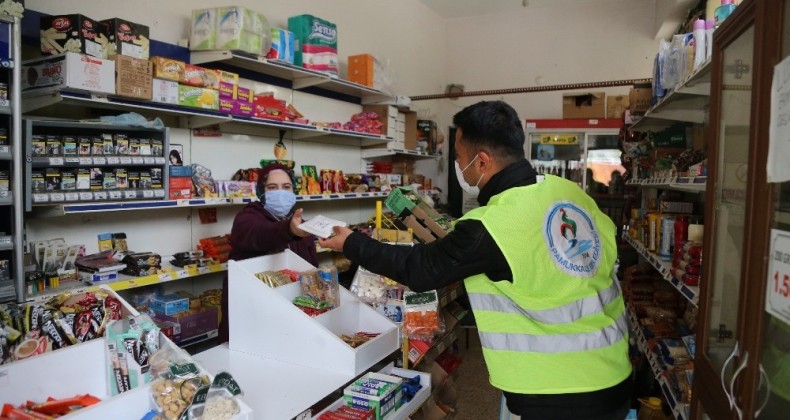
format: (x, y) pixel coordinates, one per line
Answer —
(296, 220)
(336, 241)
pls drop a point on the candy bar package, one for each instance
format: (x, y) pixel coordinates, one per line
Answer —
(422, 319)
(130, 344)
(204, 183)
(321, 285)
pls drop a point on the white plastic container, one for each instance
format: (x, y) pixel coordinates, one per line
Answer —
(700, 43)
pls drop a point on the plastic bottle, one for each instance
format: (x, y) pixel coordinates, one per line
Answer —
(709, 25)
(723, 11)
(699, 43)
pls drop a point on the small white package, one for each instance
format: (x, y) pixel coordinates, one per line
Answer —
(321, 226)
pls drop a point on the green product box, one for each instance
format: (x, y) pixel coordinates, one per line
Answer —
(315, 45)
(197, 97)
(674, 136)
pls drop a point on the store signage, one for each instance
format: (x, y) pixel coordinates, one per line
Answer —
(779, 130)
(563, 139)
(777, 300)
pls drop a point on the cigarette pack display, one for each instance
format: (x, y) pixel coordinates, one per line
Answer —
(165, 91)
(52, 179)
(168, 68)
(83, 179)
(37, 181)
(145, 147)
(121, 144)
(157, 148)
(4, 181)
(108, 145)
(145, 180)
(39, 145)
(70, 70)
(134, 147)
(134, 179)
(121, 178)
(84, 146)
(156, 178)
(74, 33)
(109, 182)
(69, 146)
(127, 38)
(68, 180)
(97, 179)
(54, 144)
(97, 146)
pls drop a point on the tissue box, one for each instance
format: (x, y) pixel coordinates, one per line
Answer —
(239, 28)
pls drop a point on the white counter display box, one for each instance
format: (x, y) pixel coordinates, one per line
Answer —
(265, 322)
(77, 370)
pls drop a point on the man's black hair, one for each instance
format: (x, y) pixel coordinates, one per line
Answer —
(494, 127)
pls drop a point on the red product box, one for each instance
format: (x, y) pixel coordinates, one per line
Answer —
(180, 194)
(193, 322)
(200, 77)
(269, 107)
(180, 183)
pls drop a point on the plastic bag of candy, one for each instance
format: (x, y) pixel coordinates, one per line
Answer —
(422, 319)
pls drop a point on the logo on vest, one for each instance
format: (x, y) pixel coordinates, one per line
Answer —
(572, 239)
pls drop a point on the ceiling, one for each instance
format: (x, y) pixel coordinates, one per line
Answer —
(467, 8)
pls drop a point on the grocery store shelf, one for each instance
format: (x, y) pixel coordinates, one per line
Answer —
(302, 78)
(93, 207)
(301, 132)
(191, 341)
(679, 409)
(339, 196)
(6, 153)
(125, 282)
(679, 183)
(691, 293)
(688, 102)
(76, 162)
(377, 153)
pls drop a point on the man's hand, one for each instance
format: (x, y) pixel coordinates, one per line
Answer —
(296, 220)
(337, 241)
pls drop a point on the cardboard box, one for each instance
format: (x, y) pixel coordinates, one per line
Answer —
(197, 97)
(199, 77)
(127, 38)
(168, 68)
(283, 43)
(134, 77)
(229, 105)
(365, 70)
(164, 91)
(180, 171)
(73, 33)
(584, 105)
(616, 106)
(420, 217)
(169, 304)
(70, 70)
(179, 183)
(640, 98)
(246, 109)
(244, 94)
(179, 194)
(192, 322)
(410, 135)
(228, 84)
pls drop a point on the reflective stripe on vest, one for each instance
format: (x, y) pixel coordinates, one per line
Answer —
(556, 343)
(561, 315)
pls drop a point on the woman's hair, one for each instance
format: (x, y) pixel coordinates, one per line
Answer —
(263, 175)
(174, 154)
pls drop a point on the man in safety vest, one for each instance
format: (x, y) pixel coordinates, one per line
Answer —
(538, 262)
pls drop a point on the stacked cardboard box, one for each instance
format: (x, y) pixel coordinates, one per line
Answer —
(133, 77)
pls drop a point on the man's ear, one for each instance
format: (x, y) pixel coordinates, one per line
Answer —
(485, 161)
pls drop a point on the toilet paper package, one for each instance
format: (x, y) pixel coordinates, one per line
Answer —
(239, 28)
(315, 47)
(203, 34)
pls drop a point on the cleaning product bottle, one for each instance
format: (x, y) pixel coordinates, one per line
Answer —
(650, 409)
(699, 43)
(709, 24)
(723, 11)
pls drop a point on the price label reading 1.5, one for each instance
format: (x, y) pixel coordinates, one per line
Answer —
(782, 284)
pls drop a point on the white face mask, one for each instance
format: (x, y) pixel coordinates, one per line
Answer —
(474, 191)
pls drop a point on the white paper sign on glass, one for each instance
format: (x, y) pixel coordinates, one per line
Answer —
(777, 300)
(321, 226)
(779, 131)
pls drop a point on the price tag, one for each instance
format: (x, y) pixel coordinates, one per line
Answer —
(182, 274)
(5, 149)
(86, 196)
(149, 161)
(115, 195)
(148, 194)
(72, 197)
(56, 161)
(126, 161)
(72, 160)
(137, 160)
(4, 194)
(55, 197)
(86, 161)
(159, 161)
(204, 270)
(777, 301)
(165, 277)
(5, 240)
(113, 160)
(130, 195)
(100, 195)
(99, 161)
(159, 193)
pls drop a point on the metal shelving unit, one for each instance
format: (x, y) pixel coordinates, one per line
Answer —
(691, 293)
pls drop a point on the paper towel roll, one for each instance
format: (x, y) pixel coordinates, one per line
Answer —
(695, 232)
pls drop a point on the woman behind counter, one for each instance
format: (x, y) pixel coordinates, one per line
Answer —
(268, 227)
